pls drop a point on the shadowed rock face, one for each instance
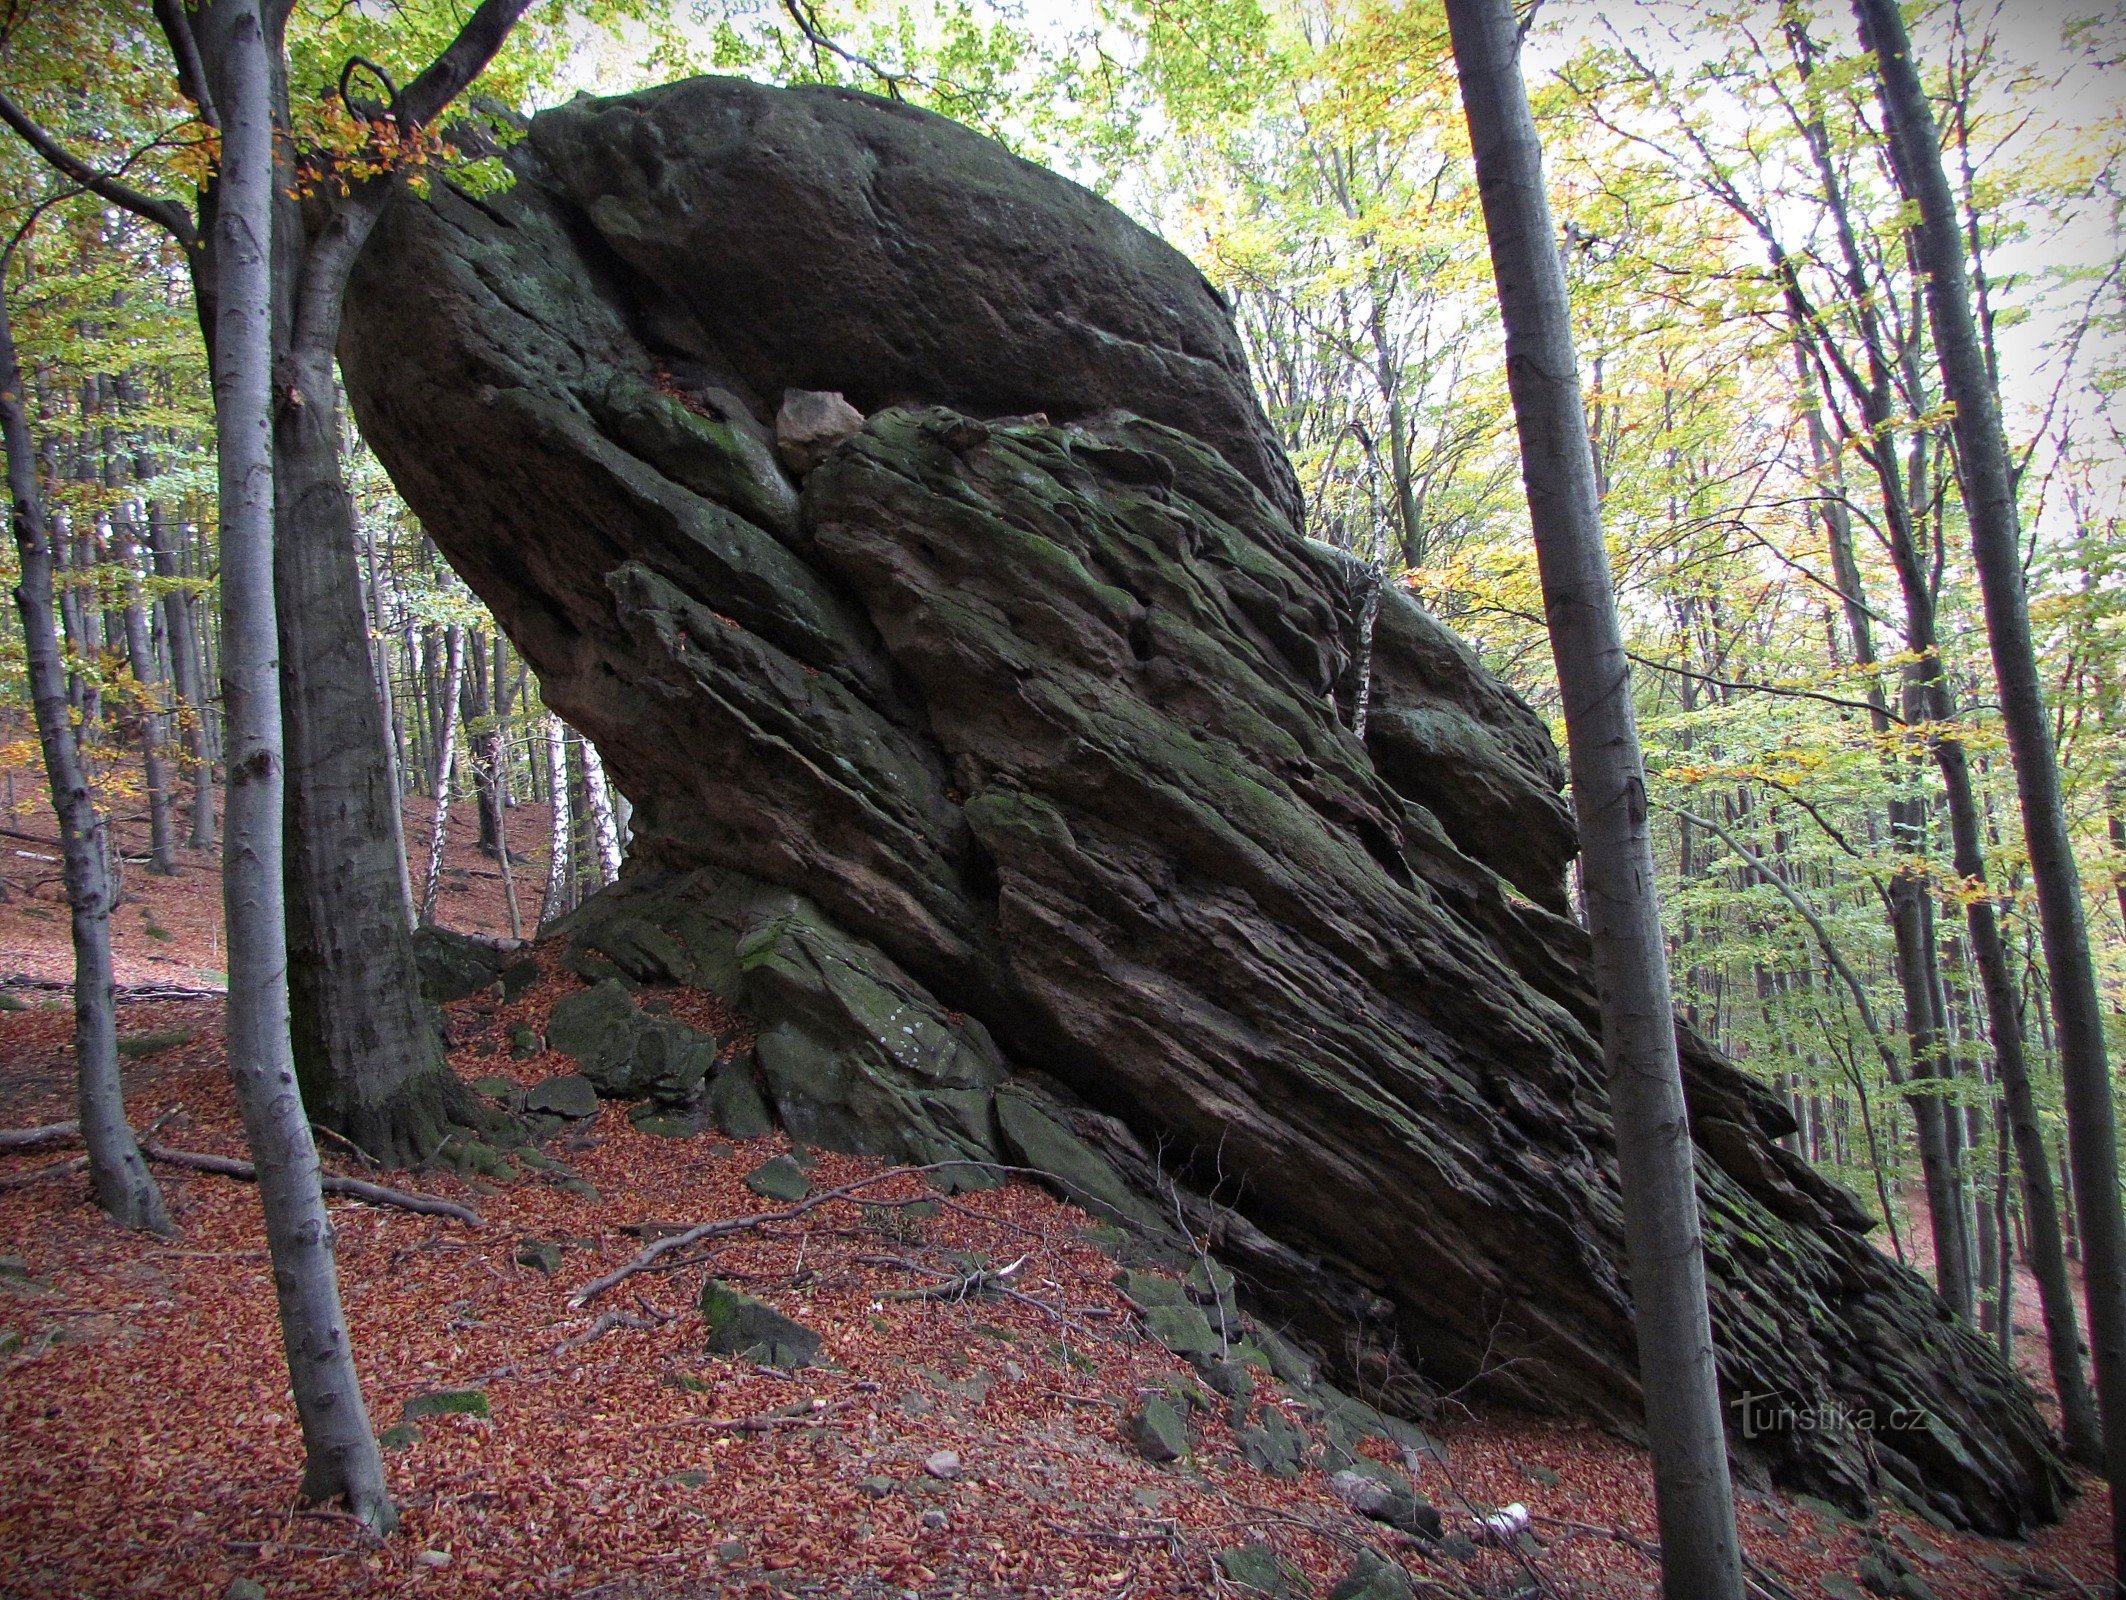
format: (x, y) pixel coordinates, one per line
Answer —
(1003, 769)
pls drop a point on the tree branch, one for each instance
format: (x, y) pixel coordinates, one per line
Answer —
(462, 60)
(184, 50)
(166, 214)
(354, 1188)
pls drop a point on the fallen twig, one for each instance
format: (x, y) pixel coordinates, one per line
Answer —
(814, 1416)
(716, 1230)
(967, 1285)
(354, 1188)
(607, 1322)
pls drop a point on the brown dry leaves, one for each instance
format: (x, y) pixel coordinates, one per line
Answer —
(151, 1447)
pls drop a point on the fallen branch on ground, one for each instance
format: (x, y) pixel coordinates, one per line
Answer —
(58, 1169)
(607, 1322)
(814, 1415)
(730, 1225)
(961, 1286)
(38, 1138)
(354, 1188)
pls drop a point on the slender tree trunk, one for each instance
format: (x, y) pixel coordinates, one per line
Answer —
(1988, 482)
(180, 624)
(394, 745)
(558, 880)
(154, 715)
(342, 1458)
(432, 880)
(1701, 1557)
(123, 1186)
(598, 798)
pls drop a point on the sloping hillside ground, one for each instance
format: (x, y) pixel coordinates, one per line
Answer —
(151, 1447)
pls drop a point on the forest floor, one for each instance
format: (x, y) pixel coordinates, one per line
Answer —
(148, 1444)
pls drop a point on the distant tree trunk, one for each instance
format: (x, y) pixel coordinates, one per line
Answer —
(123, 1186)
(1701, 1557)
(1988, 481)
(598, 797)
(154, 717)
(394, 743)
(453, 679)
(342, 1458)
(558, 881)
(180, 624)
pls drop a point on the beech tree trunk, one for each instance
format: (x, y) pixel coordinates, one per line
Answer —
(1988, 482)
(154, 713)
(342, 1461)
(453, 684)
(1701, 1558)
(118, 1174)
(180, 625)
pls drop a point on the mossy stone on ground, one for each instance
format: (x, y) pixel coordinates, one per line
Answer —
(570, 1095)
(1371, 1578)
(739, 1325)
(1277, 1446)
(779, 1179)
(735, 1103)
(1183, 1330)
(540, 1256)
(1159, 1430)
(446, 1403)
(628, 1053)
(1257, 1571)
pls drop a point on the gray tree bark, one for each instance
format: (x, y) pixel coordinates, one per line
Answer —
(118, 1174)
(453, 684)
(342, 1460)
(180, 623)
(154, 711)
(1988, 482)
(1701, 1557)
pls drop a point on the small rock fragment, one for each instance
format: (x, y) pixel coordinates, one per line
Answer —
(1277, 1447)
(540, 1256)
(244, 1589)
(944, 1464)
(1182, 1329)
(810, 424)
(934, 1519)
(878, 1488)
(432, 1558)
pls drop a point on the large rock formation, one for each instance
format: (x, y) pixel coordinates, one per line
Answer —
(1002, 766)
